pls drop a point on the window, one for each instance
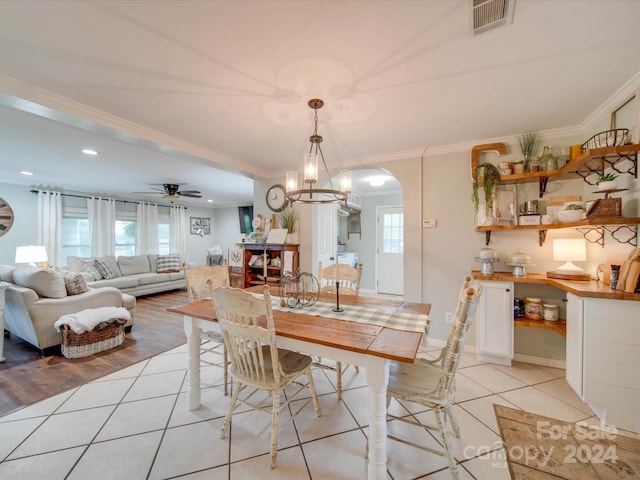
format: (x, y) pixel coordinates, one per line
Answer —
(392, 233)
(125, 237)
(164, 237)
(75, 237)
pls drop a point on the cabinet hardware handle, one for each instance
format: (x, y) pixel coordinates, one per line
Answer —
(507, 290)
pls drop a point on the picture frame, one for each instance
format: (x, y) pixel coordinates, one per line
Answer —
(200, 226)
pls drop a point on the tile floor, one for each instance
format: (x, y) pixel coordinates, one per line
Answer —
(134, 424)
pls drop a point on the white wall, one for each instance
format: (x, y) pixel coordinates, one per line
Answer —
(24, 230)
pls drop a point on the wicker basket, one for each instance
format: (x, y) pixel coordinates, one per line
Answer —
(105, 336)
(608, 138)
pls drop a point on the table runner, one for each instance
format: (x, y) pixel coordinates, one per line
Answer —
(413, 322)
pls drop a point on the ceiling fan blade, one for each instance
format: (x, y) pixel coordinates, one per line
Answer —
(189, 192)
(192, 195)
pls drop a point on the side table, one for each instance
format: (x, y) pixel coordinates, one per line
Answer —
(3, 287)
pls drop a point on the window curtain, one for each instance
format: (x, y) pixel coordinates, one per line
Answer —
(178, 228)
(147, 222)
(50, 225)
(102, 219)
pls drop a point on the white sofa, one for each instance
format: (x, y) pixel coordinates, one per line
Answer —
(136, 275)
(37, 297)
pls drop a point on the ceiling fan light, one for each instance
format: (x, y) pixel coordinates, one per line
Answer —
(171, 198)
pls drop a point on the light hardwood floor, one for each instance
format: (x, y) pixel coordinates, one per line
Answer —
(27, 377)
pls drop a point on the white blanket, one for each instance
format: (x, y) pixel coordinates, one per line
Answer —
(86, 320)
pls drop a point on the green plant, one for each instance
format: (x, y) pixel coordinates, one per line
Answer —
(490, 181)
(527, 145)
(288, 219)
(574, 206)
(609, 177)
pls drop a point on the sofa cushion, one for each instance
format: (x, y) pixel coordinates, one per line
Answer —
(134, 264)
(168, 263)
(104, 268)
(111, 261)
(130, 281)
(89, 266)
(44, 281)
(6, 273)
(151, 278)
(74, 282)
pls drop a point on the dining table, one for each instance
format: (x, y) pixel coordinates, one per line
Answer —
(370, 332)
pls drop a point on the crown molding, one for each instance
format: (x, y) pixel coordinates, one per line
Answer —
(604, 111)
(46, 104)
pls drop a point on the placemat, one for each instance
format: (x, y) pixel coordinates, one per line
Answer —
(413, 322)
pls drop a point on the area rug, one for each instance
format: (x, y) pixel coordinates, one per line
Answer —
(541, 448)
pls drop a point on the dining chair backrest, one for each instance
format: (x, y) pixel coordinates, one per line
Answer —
(198, 279)
(238, 314)
(462, 318)
(347, 276)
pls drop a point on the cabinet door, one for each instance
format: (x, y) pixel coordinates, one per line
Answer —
(575, 338)
(494, 320)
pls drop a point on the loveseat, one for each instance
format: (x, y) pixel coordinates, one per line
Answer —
(136, 275)
(37, 297)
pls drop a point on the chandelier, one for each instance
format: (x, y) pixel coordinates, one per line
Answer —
(307, 193)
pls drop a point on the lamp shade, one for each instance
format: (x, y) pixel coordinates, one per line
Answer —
(31, 254)
(569, 250)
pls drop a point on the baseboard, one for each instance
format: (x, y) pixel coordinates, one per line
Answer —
(545, 362)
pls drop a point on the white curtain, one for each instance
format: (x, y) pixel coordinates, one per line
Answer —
(147, 220)
(102, 219)
(50, 225)
(178, 228)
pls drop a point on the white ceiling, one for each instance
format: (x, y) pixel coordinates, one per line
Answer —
(166, 91)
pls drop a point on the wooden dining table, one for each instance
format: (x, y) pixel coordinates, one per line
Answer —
(367, 345)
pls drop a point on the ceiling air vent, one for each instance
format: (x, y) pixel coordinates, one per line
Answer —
(489, 14)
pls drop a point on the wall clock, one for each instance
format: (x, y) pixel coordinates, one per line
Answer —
(276, 200)
(6, 217)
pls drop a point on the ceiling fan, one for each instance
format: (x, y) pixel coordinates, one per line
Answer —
(172, 192)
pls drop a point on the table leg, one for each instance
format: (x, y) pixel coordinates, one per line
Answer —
(377, 379)
(193, 366)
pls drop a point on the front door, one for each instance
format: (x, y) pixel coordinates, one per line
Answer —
(390, 250)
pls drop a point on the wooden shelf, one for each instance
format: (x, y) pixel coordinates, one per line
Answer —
(559, 326)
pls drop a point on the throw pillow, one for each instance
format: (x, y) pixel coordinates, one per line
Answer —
(44, 281)
(75, 283)
(89, 266)
(104, 269)
(168, 263)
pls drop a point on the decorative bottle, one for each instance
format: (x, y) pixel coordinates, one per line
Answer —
(547, 160)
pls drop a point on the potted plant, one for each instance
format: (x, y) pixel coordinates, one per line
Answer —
(490, 176)
(527, 145)
(607, 181)
(288, 220)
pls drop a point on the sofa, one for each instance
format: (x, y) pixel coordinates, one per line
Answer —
(37, 297)
(135, 275)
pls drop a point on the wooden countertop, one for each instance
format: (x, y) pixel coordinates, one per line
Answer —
(590, 289)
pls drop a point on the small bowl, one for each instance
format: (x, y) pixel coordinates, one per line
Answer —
(569, 216)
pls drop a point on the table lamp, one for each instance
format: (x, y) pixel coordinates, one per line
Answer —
(569, 250)
(31, 254)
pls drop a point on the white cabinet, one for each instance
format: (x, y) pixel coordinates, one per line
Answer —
(575, 335)
(611, 358)
(494, 323)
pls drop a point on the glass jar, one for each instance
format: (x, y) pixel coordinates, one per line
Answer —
(534, 165)
(547, 161)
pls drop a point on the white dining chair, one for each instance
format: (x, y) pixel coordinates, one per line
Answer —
(431, 383)
(200, 281)
(256, 361)
(348, 279)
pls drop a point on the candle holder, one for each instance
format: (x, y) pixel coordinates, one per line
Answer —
(338, 309)
(298, 290)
